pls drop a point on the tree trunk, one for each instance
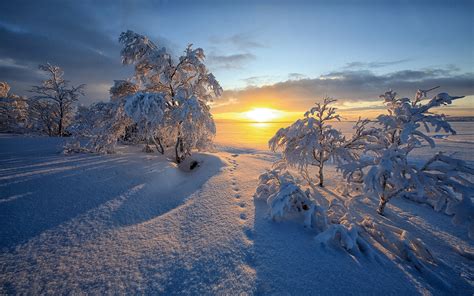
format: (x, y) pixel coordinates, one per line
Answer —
(321, 168)
(161, 149)
(321, 175)
(383, 199)
(178, 149)
(60, 127)
(382, 204)
(178, 159)
(158, 145)
(61, 119)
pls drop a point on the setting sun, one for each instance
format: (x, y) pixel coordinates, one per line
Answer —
(262, 114)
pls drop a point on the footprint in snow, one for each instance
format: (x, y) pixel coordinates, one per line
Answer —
(249, 233)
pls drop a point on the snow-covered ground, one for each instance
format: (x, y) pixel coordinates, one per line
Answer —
(135, 223)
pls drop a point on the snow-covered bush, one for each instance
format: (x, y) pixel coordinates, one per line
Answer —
(388, 172)
(310, 141)
(102, 124)
(285, 199)
(284, 196)
(340, 224)
(13, 110)
(57, 97)
(444, 183)
(349, 236)
(401, 244)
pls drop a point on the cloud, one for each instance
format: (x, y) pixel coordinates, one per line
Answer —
(79, 36)
(351, 88)
(233, 61)
(245, 41)
(373, 65)
(260, 80)
(241, 41)
(86, 54)
(296, 76)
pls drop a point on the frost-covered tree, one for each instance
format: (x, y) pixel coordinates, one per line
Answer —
(148, 111)
(166, 103)
(43, 117)
(122, 89)
(310, 141)
(57, 95)
(388, 171)
(4, 89)
(13, 110)
(185, 86)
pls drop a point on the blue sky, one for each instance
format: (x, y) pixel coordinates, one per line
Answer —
(252, 45)
(313, 38)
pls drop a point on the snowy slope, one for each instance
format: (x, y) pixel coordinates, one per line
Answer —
(134, 223)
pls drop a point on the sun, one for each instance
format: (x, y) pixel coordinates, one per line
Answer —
(262, 114)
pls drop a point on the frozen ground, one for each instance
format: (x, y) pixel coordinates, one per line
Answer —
(135, 223)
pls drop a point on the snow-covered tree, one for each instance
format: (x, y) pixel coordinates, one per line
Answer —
(185, 86)
(43, 116)
(166, 104)
(13, 110)
(310, 141)
(388, 171)
(60, 97)
(4, 89)
(148, 111)
(122, 88)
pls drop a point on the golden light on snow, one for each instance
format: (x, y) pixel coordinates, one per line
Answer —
(263, 114)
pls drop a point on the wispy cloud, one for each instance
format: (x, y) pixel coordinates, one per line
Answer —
(373, 65)
(241, 41)
(296, 76)
(232, 61)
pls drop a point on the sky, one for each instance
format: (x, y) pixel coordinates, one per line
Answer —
(283, 55)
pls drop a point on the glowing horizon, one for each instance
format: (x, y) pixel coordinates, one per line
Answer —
(349, 111)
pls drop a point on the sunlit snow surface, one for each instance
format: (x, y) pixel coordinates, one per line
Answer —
(134, 223)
